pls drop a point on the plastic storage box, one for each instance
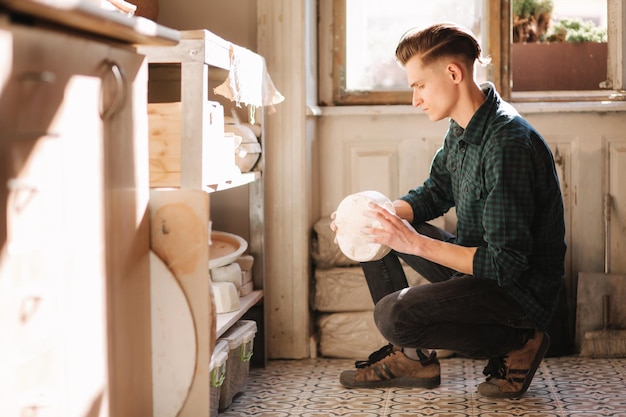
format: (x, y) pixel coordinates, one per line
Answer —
(217, 373)
(240, 338)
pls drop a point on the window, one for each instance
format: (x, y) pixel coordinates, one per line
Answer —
(558, 48)
(365, 68)
(365, 33)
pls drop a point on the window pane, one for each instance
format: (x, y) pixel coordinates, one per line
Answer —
(561, 48)
(374, 27)
(593, 10)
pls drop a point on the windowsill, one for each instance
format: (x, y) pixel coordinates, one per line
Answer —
(522, 107)
(569, 107)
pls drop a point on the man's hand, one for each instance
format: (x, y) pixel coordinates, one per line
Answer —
(333, 226)
(390, 230)
(403, 209)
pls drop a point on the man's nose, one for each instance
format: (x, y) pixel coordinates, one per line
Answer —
(417, 100)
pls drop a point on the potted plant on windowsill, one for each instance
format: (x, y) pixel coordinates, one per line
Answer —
(531, 19)
(567, 54)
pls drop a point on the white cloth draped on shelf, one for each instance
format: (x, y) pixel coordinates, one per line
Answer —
(249, 82)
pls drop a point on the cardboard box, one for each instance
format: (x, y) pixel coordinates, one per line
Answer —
(165, 151)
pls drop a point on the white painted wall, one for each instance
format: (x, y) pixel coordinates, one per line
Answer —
(234, 20)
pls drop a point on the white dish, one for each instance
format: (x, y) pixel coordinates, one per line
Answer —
(225, 248)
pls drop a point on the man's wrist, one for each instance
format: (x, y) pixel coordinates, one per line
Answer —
(403, 210)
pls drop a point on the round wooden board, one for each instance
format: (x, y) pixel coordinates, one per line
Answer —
(173, 341)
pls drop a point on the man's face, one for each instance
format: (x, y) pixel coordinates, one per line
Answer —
(433, 87)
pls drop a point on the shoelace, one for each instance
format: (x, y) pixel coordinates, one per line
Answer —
(496, 368)
(375, 357)
(387, 350)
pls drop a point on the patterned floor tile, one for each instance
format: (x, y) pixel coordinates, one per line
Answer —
(568, 386)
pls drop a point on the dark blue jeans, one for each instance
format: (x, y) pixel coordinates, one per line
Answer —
(469, 315)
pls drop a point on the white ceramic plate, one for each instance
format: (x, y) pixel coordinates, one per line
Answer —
(225, 248)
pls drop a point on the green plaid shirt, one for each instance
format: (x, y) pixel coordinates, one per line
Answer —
(499, 174)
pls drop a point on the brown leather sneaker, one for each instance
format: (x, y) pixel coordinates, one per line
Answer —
(389, 367)
(509, 377)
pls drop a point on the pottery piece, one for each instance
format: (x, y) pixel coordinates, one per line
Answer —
(225, 248)
(350, 221)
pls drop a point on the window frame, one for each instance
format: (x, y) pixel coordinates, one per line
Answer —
(498, 27)
(341, 96)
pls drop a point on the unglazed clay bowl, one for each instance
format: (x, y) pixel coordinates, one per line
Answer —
(350, 221)
(225, 248)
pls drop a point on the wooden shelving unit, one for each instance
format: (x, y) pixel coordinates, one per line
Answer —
(195, 54)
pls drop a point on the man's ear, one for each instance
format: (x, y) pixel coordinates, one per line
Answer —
(455, 72)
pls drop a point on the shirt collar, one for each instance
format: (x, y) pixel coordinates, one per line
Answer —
(475, 128)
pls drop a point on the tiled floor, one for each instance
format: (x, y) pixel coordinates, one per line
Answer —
(569, 386)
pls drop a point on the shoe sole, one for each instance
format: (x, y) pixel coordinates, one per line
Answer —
(541, 353)
(347, 380)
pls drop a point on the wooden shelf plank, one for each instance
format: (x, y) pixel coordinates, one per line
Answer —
(244, 178)
(226, 320)
(166, 181)
(199, 46)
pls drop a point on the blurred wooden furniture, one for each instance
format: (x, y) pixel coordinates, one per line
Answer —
(74, 235)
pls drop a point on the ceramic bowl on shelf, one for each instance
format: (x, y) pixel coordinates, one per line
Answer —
(225, 248)
(248, 150)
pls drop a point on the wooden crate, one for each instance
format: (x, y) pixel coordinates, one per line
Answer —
(167, 148)
(165, 132)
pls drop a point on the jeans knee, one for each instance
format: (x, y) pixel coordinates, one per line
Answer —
(386, 317)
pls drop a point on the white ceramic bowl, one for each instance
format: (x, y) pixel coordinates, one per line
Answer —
(350, 220)
(225, 248)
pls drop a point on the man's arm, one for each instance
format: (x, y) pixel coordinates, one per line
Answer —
(398, 234)
(459, 258)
